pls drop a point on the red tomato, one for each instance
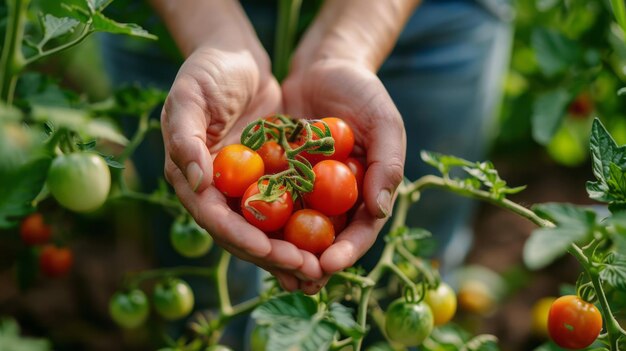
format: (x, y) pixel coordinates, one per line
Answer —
(267, 216)
(310, 230)
(34, 230)
(339, 222)
(55, 261)
(334, 191)
(274, 157)
(573, 323)
(343, 136)
(581, 107)
(236, 167)
(359, 172)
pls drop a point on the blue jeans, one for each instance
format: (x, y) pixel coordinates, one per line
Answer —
(445, 76)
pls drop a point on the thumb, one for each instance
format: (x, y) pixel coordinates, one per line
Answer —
(184, 134)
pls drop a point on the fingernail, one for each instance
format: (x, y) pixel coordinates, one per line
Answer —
(194, 175)
(384, 203)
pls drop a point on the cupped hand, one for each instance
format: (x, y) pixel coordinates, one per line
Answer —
(215, 94)
(341, 88)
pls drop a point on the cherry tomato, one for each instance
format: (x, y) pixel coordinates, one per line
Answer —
(408, 323)
(540, 312)
(581, 107)
(55, 261)
(476, 297)
(343, 136)
(34, 230)
(236, 167)
(129, 309)
(573, 323)
(173, 298)
(310, 230)
(339, 222)
(273, 156)
(334, 191)
(189, 239)
(358, 170)
(267, 216)
(442, 302)
(79, 181)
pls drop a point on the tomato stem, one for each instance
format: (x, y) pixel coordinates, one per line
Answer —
(221, 281)
(12, 59)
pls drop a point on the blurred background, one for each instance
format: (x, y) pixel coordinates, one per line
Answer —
(567, 65)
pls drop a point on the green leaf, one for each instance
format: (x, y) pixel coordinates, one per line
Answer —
(547, 244)
(619, 9)
(98, 5)
(614, 270)
(10, 340)
(484, 342)
(555, 52)
(132, 101)
(604, 151)
(443, 162)
(104, 24)
(285, 307)
(304, 335)
(342, 317)
(54, 27)
(548, 112)
(79, 121)
(617, 182)
(25, 183)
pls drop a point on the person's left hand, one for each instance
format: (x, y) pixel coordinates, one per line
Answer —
(345, 89)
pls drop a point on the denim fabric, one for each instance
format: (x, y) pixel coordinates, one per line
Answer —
(444, 76)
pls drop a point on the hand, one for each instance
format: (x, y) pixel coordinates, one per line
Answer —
(215, 94)
(341, 88)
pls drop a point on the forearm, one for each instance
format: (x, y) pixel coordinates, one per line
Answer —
(221, 24)
(363, 31)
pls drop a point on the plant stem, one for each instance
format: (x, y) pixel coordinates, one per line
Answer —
(12, 59)
(77, 40)
(142, 128)
(149, 198)
(431, 181)
(610, 323)
(221, 281)
(288, 13)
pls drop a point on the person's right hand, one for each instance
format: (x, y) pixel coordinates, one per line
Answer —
(215, 94)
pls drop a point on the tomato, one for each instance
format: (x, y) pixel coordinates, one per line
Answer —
(358, 170)
(476, 297)
(573, 323)
(274, 158)
(34, 230)
(540, 312)
(173, 298)
(581, 106)
(339, 222)
(236, 167)
(310, 230)
(343, 136)
(129, 309)
(189, 239)
(334, 190)
(79, 181)
(55, 261)
(258, 338)
(267, 216)
(442, 302)
(408, 323)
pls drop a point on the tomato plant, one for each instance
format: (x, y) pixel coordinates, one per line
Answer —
(335, 189)
(129, 309)
(173, 298)
(310, 230)
(269, 216)
(442, 302)
(79, 181)
(236, 167)
(573, 323)
(55, 261)
(34, 230)
(408, 323)
(189, 239)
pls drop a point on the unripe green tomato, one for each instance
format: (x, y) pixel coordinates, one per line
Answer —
(258, 339)
(79, 181)
(173, 298)
(408, 323)
(442, 302)
(129, 309)
(189, 239)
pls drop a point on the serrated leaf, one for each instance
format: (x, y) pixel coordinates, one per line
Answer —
(104, 24)
(292, 306)
(547, 244)
(599, 192)
(548, 112)
(301, 335)
(614, 270)
(443, 162)
(344, 320)
(79, 121)
(617, 182)
(19, 187)
(604, 151)
(555, 52)
(54, 27)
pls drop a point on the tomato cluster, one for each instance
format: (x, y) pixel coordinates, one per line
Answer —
(54, 261)
(295, 178)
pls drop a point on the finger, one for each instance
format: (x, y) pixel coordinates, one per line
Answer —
(385, 158)
(313, 287)
(210, 210)
(284, 255)
(352, 243)
(310, 268)
(286, 280)
(184, 126)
